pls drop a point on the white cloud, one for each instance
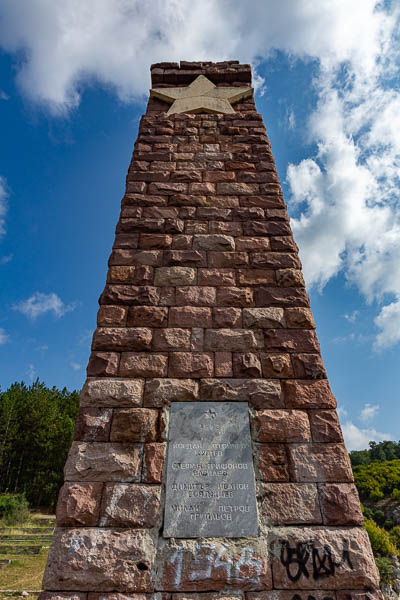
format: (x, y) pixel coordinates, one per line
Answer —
(4, 260)
(31, 372)
(369, 412)
(75, 366)
(4, 338)
(388, 321)
(3, 95)
(39, 304)
(351, 318)
(358, 439)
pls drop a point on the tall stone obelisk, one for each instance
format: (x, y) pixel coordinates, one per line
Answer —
(208, 456)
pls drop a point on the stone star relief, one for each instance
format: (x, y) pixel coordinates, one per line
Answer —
(201, 96)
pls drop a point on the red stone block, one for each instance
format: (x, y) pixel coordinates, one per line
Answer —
(185, 258)
(276, 296)
(191, 364)
(299, 318)
(290, 277)
(122, 338)
(195, 296)
(273, 260)
(295, 340)
(147, 316)
(93, 424)
(103, 364)
(154, 241)
(325, 426)
(283, 243)
(340, 504)
(255, 277)
(135, 425)
(246, 365)
(229, 260)
(130, 505)
(111, 316)
(216, 277)
(233, 296)
(130, 295)
(230, 228)
(308, 394)
(289, 504)
(153, 462)
(79, 504)
(223, 364)
(190, 316)
(136, 364)
(308, 366)
(276, 366)
(281, 426)
(320, 463)
(272, 462)
(226, 317)
(252, 244)
(171, 338)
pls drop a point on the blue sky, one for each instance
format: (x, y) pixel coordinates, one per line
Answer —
(73, 84)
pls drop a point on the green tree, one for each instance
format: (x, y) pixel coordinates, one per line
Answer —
(380, 540)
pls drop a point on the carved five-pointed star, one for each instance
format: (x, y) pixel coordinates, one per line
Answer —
(201, 96)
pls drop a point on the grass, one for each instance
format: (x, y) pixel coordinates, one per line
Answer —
(24, 573)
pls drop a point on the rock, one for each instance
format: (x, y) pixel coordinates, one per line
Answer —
(216, 242)
(147, 316)
(289, 504)
(216, 277)
(160, 392)
(197, 565)
(93, 424)
(122, 338)
(61, 596)
(325, 426)
(284, 297)
(290, 594)
(322, 558)
(246, 365)
(340, 504)
(112, 392)
(260, 393)
(134, 425)
(103, 462)
(277, 366)
(226, 317)
(230, 340)
(102, 364)
(299, 318)
(100, 560)
(189, 316)
(131, 295)
(233, 296)
(286, 426)
(175, 276)
(272, 462)
(255, 277)
(154, 457)
(171, 339)
(223, 364)
(284, 340)
(290, 277)
(191, 364)
(130, 505)
(111, 316)
(308, 366)
(264, 318)
(79, 504)
(195, 296)
(308, 394)
(136, 364)
(320, 463)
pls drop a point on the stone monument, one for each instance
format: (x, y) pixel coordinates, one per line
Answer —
(208, 459)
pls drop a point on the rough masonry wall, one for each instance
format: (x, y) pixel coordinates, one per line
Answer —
(205, 301)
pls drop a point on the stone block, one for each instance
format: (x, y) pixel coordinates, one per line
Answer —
(230, 339)
(260, 393)
(289, 504)
(112, 392)
(214, 242)
(62, 596)
(195, 296)
(79, 504)
(130, 505)
(272, 462)
(265, 318)
(186, 258)
(226, 317)
(256, 277)
(230, 228)
(130, 295)
(223, 364)
(290, 277)
(121, 274)
(308, 366)
(236, 189)
(325, 426)
(276, 296)
(93, 424)
(99, 559)
(191, 364)
(122, 338)
(252, 244)
(216, 277)
(274, 260)
(229, 260)
(234, 296)
(175, 276)
(153, 462)
(102, 364)
(308, 394)
(281, 426)
(283, 340)
(277, 366)
(147, 316)
(190, 316)
(136, 364)
(246, 365)
(292, 594)
(171, 338)
(320, 463)
(111, 316)
(322, 558)
(340, 504)
(160, 392)
(100, 461)
(134, 425)
(299, 318)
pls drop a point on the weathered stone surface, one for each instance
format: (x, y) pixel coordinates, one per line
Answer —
(216, 277)
(290, 277)
(171, 338)
(200, 565)
(93, 424)
(112, 392)
(216, 242)
(260, 393)
(223, 364)
(232, 296)
(153, 462)
(122, 338)
(340, 504)
(265, 318)
(308, 366)
(229, 260)
(134, 425)
(276, 365)
(130, 505)
(325, 426)
(160, 392)
(284, 340)
(246, 365)
(62, 596)
(322, 558)
(136, 364)
(226, 317)
(190, 316)
(102, 364)
(195, 296)
(100, 560)
(272, 462)
(111, 316)
(308, 394)
(290, 594)
(103, 462)
(276, 296)
(230, 339)
(175, 276)
(252, 244)
(130, 295)
(187, 258)
(78, 504)
(147, 316)
(190, 364)
(256, 277)
(299, 318)
(369, 594)
(320, 463)
(289, 504)
(282, 426)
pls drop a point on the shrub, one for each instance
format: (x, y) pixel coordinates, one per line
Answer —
(380, 540)
(396, 494)
(386, 570)
(14, 509)
(394, 535)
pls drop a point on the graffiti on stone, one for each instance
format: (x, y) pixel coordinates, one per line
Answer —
(312, 561)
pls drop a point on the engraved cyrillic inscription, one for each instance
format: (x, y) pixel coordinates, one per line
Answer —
(210, 476)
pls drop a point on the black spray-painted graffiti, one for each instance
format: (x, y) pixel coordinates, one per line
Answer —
(322, 564)
(310, 597)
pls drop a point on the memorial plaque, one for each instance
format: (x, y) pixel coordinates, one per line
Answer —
(210, 477)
